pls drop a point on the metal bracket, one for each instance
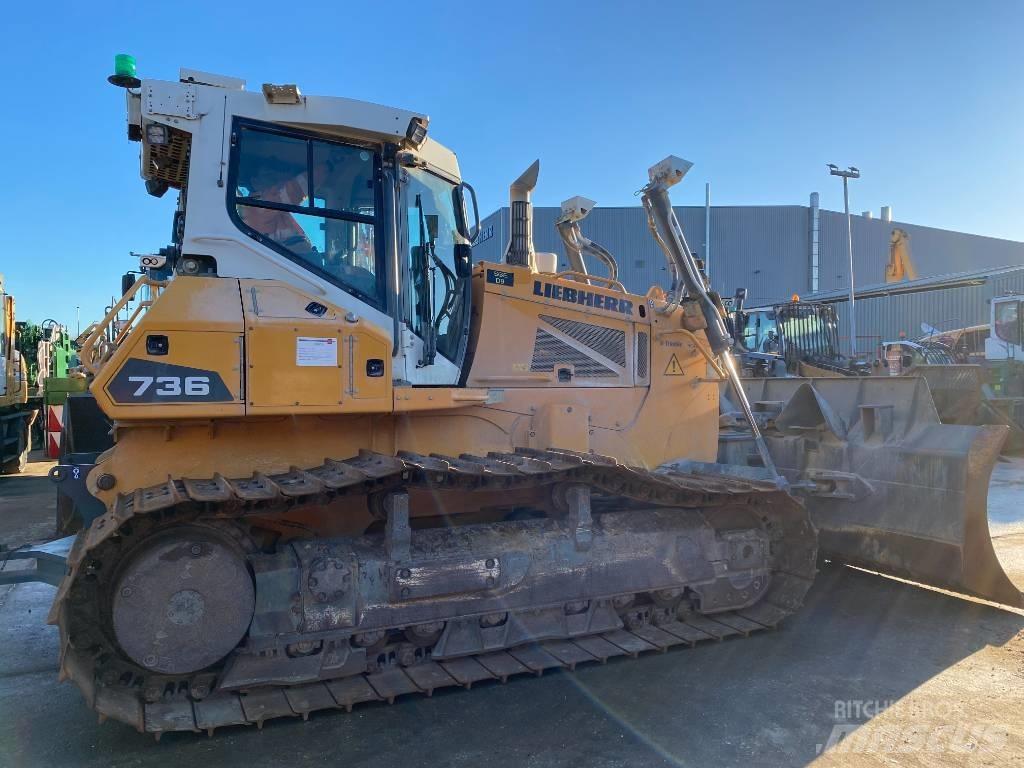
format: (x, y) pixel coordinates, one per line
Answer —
(51, 563)
(397, 533)
(70, 480)
(580, 520)
(831, 484)
(170, 99)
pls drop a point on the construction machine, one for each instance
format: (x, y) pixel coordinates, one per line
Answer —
(16, 413)
(794, 338)
(801, 338)
(350, 464)
(901, 265)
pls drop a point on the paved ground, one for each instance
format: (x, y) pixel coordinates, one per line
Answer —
(952, 671)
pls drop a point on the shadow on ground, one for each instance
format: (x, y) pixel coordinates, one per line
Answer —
(28, 504)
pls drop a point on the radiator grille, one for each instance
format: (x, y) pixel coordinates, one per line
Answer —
(641, 355)
(549, 351)
(607, 342)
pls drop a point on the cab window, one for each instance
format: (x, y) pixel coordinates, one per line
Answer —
(439, 293)
(1007, 321)
(312, 200)
(761, 333)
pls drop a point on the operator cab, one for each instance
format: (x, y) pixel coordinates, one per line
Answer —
(342, 199)
(320, 202)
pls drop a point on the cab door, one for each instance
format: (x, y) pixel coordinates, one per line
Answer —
(435, 272)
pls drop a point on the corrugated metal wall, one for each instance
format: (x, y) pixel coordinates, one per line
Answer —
(882, 318)
(766, 249)
(933, 251)
(762, 248)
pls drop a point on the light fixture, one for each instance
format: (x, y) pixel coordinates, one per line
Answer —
(189, 266)
(157, 187)
(576, 208)
(157, 135)
(849, 173)
(151, 261)
(669, 171)
(124, 72)
(416, 132)
(282, 94)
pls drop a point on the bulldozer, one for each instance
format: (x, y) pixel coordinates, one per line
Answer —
(350, 464)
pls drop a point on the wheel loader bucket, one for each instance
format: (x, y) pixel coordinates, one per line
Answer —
(889, 487)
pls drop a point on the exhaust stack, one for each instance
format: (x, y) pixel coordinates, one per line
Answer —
(519, 250)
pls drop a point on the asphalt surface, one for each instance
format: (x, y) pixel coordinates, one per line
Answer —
(911, 676)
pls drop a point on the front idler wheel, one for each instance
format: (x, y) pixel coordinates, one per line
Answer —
(182, 601)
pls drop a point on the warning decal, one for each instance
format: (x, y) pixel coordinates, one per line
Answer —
(315, 351)
(673, 368)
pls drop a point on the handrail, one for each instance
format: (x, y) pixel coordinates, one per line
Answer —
(610, 282)
(93, 353)
(131, 320)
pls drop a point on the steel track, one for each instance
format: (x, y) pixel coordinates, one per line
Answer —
(118, 689)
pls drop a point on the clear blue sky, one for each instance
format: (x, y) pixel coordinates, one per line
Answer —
(924, 97)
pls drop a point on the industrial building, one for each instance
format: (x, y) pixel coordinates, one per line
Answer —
(778, 250)
(944, 302)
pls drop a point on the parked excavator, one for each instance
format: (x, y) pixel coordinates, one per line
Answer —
(350, 464)
(901, 265)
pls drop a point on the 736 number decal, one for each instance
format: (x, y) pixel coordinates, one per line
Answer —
(172, 386)
(142, 381)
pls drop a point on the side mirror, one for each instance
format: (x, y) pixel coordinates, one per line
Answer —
(472, 230)
(463, 260)
(127, 281)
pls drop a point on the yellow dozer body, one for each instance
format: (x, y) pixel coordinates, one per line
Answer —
(349, 464)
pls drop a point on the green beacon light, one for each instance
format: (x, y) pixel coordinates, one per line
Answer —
(124, 72)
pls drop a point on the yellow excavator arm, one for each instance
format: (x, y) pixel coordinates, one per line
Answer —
(900, 266)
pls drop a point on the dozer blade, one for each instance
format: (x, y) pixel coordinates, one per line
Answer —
(889, 487)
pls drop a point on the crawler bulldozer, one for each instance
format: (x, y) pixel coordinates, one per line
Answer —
(349, 463)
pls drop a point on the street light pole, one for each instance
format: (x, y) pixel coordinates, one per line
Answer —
(849, 173)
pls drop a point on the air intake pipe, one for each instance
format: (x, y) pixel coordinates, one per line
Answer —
(669, 235)
(578, 245)
(519, 251)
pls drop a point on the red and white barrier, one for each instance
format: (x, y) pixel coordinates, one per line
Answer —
(54, 419)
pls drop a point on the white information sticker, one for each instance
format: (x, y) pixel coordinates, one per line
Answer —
(310, 350)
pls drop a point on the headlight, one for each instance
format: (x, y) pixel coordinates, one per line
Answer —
(157, 135)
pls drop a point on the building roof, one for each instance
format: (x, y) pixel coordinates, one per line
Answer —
(936, 282)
